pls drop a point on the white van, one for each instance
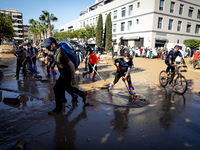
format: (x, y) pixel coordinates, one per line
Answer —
(184, 51)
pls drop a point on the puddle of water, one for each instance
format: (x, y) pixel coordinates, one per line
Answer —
(118, 99)
(24, 101)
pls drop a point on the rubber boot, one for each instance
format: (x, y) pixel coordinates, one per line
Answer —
(85, 73)
(54, 72)
(35, 68)
(111, 86)
(94, 77)
(131, 88)
(30, 68)
(48, 72)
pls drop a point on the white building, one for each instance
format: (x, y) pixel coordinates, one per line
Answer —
(18, 23)
(145, 23)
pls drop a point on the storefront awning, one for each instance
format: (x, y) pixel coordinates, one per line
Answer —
(130, 37)
(161, 39)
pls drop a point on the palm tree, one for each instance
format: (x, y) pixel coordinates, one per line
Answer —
(34, 29)
(47, 17)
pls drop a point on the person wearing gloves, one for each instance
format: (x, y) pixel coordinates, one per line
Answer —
(21, 60)
(123, 70)
(93, 60)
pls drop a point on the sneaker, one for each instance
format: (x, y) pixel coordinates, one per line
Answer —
(84, 96)
(75, 98)
(54, 112)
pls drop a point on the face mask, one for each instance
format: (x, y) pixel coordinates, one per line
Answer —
(29, 47)
(126, 60)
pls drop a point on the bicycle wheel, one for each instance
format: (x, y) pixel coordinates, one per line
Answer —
(163, 78)
(180, 84)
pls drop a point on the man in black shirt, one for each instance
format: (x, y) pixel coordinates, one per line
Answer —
(67, 75)
(88, 51)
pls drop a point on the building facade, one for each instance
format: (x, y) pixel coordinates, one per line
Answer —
(145, 23)
(18, 23)
(26, 32)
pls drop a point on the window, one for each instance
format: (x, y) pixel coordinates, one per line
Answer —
(105, 17)
(181, 9)
(124, 12)
(138, 4)
(114, 27)
(83, 23)
(93, 20)
(137, 21)
(197, 29)
(90, 21)
(170, 24)
(130, 12)
(129, 25)
(160, 23)
(172, 7)
(122, 26)
(161, 4)
(87, 22)
(96, 20)
(115, 14)
(179, 26)
(190, 12)
(188, 28)
(198, 14)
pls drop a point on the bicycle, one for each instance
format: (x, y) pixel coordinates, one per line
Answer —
(177, 80)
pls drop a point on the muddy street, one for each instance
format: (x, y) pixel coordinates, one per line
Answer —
(161, 120)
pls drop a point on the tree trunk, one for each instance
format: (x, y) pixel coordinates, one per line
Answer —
(49, 24)
(43, 35)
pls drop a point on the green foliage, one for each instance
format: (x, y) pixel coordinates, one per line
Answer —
(6, 27)
(108, 33)
(90, 32)
(47, 17)
(99, 31)
(192, 43)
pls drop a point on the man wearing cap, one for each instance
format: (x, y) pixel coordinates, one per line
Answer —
(67, 75)
(169, 61)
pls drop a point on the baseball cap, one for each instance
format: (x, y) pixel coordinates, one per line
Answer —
(49, 41)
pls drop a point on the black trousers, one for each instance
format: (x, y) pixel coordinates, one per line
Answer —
(64, 83)
(51, 64)
(91, 66)
(118, 76)
(19, 65)
(34, 61)
(169, 67)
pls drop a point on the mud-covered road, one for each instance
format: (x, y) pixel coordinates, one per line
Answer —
(164, 120)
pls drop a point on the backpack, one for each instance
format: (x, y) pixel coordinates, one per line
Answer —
(36, 50)
(73, 57)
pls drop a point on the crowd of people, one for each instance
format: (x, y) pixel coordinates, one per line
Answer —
(57, 55)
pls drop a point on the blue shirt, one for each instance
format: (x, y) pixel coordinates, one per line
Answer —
(21, 55)
(124, 66)
(174, 55)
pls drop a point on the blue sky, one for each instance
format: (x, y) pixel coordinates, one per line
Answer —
(64, 10)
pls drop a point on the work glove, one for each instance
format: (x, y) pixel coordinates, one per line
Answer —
(124, 79)
(17, 57)
(22, 63)
(118, 69)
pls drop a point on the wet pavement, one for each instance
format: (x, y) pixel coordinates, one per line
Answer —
(164, 120)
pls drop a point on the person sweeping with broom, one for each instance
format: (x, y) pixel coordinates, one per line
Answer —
(93, 60)
(123, 70)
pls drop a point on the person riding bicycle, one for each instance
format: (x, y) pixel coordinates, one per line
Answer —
(171, 57)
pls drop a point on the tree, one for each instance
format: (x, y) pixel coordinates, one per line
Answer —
(47, 17)
(34, 29)
(6, 27)
(192, 43)
(90, 32)
(108, 27)
(99, 31)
